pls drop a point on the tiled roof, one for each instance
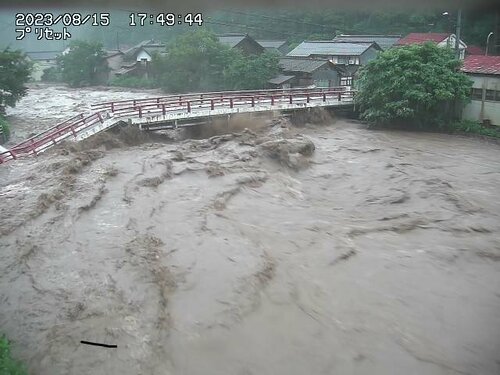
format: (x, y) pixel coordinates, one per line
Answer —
(280, 79)
(290, 64)
(231, 39)
(146, 43)
(384, 41)
(419, 38)
(482, 64)
(329, 48)
(271, 43)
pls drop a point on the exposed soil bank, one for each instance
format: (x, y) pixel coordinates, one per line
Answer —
(312, 250)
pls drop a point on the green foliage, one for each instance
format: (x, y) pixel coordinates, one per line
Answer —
(474, 127)
(196, 61)
(4, 130)
(52, 74)
(251, 72)
(15, 71)
(417, 85)
(9, 366)
(84, 64)
(135, 82)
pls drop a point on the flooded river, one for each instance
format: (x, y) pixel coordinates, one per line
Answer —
(319, 249)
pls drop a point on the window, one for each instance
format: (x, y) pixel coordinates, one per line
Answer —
(490, 94)
(341, 60)
(497, 97)
(353, 60)
(346, 81)
(477, 94)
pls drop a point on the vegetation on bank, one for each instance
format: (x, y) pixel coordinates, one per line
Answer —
(84, 64)
(416, 86)
(4, 130)
(474, 127)
(15, 70)
(8, 365)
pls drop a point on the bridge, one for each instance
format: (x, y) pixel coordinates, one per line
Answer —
(173, 111)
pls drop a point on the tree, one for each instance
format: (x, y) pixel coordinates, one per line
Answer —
(251, 72)
(84, 64)
(15, 71)
(195, 61)
(416, 85)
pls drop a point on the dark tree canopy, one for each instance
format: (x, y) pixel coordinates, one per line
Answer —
(15, 71)
(197, 61)
(417, 85)
(84, 64)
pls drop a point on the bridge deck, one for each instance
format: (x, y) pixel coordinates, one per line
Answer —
(168, 110)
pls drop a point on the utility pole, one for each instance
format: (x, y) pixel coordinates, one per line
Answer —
(457, 33)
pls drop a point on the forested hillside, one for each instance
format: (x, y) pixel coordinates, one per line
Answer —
(293, 25)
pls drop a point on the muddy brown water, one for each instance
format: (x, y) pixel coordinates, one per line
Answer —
(376, 254)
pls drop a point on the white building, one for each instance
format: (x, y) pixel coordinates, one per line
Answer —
(485, 96)
(441, 39)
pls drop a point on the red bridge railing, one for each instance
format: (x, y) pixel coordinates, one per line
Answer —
(171, 104)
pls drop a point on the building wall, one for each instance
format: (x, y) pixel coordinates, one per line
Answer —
(368, 55)
(326, 74)
(488, 107)
(143, 55)
(114, 63)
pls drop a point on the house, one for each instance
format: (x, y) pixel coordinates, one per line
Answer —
(42, 60)
(441, 39)
(485, 97)
(277, 46)
(349, 56)
(337, 52)
(243, 42)
(281, 81)
(306, 72)
(384, 41)
(115, 60)
(144, 51)
(135, 61)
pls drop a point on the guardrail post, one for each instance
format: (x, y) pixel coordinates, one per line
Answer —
(140, 112)
(212, 104)
(308, 98)
(231, 102)
(189, 107)
(324, 96)
(291, 99)
(163, 109)
(112, 107)
(133, 102)
(253, 101)
(272, 100)
(340, 96)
